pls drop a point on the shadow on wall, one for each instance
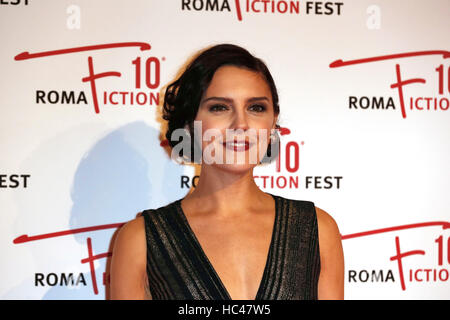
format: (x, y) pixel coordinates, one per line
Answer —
(124, 173)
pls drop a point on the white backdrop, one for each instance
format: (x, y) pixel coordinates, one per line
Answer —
(69, 176)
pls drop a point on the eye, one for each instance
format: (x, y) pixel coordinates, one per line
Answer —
(218, 108)
(258, 108)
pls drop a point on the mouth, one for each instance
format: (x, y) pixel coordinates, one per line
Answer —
(236, 145)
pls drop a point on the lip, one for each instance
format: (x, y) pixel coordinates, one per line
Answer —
(237, 145)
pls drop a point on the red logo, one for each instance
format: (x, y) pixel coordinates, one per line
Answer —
(415, 103)
(152, 71)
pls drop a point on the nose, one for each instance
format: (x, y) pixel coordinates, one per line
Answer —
(240, 120)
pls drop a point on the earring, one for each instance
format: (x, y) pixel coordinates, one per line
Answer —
(273, 135)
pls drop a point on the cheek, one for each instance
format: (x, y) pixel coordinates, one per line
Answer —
(212, 124)
(265, 125)
(211, 130)
(264, 130)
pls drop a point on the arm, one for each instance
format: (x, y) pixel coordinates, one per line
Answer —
(331, 278)
(128, 263)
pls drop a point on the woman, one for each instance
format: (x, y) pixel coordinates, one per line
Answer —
(227, 239)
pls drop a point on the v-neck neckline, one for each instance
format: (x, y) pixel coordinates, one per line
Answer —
(208, 262)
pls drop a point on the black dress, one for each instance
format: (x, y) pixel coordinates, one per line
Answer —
(178, 268)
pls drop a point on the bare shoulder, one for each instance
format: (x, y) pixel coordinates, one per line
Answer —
(130, 241)
(331, 279)
(128, 263)
(326, 224)
(133, 230)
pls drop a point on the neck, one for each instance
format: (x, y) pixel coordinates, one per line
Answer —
(226, 191)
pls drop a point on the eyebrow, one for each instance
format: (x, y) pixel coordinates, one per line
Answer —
(229, 100)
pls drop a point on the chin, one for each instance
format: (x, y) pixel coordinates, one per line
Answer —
(234, 167)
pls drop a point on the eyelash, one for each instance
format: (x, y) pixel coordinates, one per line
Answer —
(214, 108)
(261, 107)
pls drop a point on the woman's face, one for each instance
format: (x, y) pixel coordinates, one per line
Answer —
(236, 115)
